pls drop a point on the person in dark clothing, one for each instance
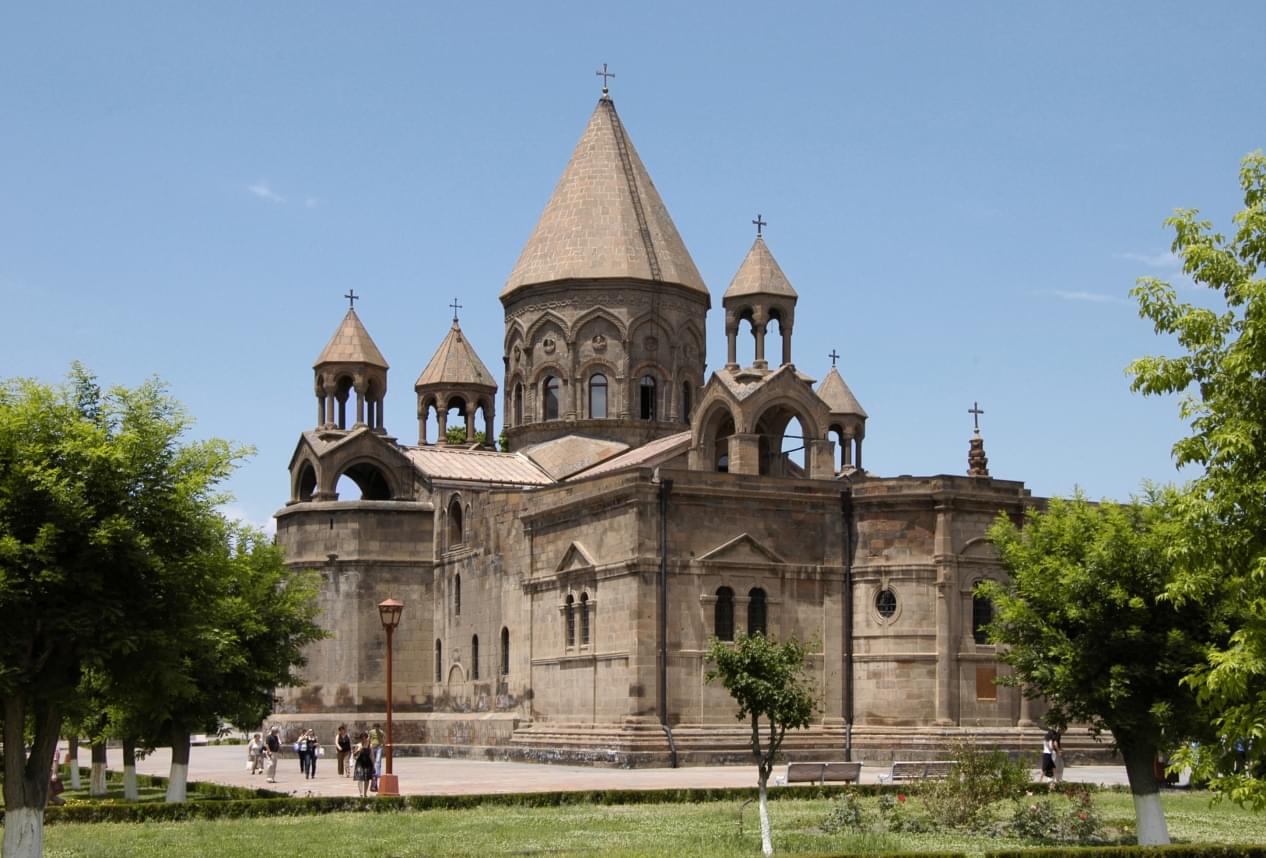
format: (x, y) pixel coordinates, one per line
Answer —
(364, 767)
(343, 745)
(272, 747)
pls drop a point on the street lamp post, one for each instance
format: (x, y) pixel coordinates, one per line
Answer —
(389, 612)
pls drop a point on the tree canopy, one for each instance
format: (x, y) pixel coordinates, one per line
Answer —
(1220, 374)
(1084, 622)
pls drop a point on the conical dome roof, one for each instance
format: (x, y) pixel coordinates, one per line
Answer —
(455, 363)
(605, 219)
(838, 398)
(351, 343)
(759, 275)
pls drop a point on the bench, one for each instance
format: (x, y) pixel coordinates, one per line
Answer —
(920, 770)
(822, 773)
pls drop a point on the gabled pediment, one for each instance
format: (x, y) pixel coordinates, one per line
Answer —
(576, 557)
(743, 549)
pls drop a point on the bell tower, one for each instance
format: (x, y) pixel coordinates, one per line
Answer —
(350, 364)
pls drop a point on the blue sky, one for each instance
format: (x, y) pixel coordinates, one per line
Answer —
(961, 193)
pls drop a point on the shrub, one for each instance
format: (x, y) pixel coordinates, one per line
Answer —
(900, 818)
(1071, 819)
(845, 814)
(977, 779)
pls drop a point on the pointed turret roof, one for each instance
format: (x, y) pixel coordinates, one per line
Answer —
(759, 275)
(456, 363)
(605, 218)
(351, 343)
(838, 398)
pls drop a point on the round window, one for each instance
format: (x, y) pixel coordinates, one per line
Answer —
(886, 603)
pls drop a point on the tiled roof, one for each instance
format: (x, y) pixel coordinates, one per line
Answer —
(455, 362)
(478, 466)
(646, 456)
(838, 398)
(351, 343)
(760, 275)
(562, 457)
(605, 218)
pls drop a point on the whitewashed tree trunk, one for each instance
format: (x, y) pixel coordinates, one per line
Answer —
(766, 842)
(97, 781)
(1149, 816)
(23, 833)
(130, 791)
(72, 760)
(178, 778)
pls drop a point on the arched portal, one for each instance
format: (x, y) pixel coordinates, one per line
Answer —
(364, 479)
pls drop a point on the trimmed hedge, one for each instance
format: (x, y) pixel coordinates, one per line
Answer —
(1174, 850)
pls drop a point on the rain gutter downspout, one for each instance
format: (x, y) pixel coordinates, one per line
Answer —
(665, 486)
(846, 514)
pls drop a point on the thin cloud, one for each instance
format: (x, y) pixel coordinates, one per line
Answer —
(262, 190)
(1165, 260)
(233, 512)
(1088, 297)
(311, 202)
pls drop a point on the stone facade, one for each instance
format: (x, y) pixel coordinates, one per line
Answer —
(560, 597)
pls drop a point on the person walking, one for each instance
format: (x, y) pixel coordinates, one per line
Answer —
(1050, 747)
(314, 750)
(255, 753)
(272, 750)
(363, 765)
(301, 749)
(343, 747)
(375, 743)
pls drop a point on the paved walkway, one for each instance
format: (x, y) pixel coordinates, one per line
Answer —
(226, 764)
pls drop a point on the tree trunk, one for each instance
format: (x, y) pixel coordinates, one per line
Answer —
(97, 783)
(130, 792)
(26, 778)
(178, 780)
(766, 844)
(72, 761)
(1149, 816)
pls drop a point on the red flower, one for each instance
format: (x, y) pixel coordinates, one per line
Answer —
(901, 796)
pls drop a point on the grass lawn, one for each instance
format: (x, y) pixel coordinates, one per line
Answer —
(630, 830)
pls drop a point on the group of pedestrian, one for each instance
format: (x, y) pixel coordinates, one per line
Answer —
(261, 754)
(360, 760)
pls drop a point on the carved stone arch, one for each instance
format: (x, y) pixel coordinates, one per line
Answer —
(551, 368)
(514, 331)
(663, 388)
(692, 333)
(578, 326)
(979, 548)
(712, 431)
(584, 376)
(456, 675)
(649, 324)
(375, 480)
(545, 319)
(808, 411)
(303, 484)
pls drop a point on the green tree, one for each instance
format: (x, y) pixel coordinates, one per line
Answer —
(457, 435)
(770, 683)
(1219, 375)
(1084, 622)
(101, 505)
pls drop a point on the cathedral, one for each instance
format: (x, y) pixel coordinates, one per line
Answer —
(560, 592)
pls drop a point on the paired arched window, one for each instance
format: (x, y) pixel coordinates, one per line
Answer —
(756, 612)
(597, 396)
(505, 651)
(474, 656)
(981, 617)
(457, 595)
(646, 390)
(584, 619)
(439, 660)
(456, 529)
(723, 615)
(569, 619)
(552, 397)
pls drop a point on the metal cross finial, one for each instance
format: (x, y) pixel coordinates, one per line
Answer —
(604, 74)
(975, 412)
(351, 297)
(834, 357)
(761, 223)
(455, 307)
